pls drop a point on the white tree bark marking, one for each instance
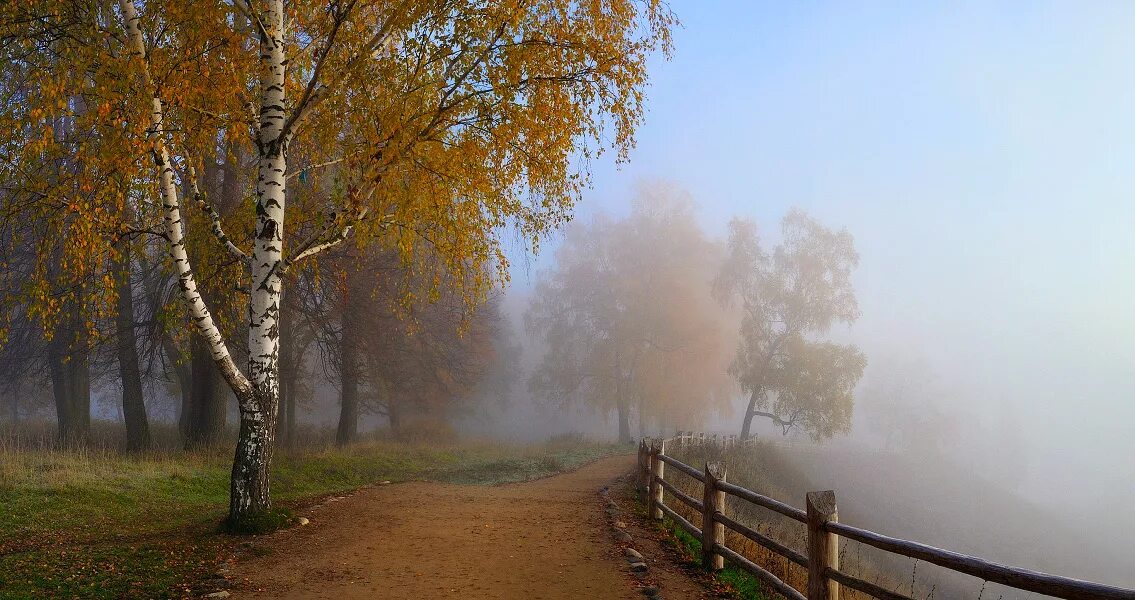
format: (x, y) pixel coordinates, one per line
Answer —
(174, 231)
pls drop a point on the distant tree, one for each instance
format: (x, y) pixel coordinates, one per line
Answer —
(395, 357)
(627, 318)
(787, 298)
(126, 346)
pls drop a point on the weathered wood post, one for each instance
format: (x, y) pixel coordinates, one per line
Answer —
(713, 503)
(642, 476)
(657, 472)
(823, 546)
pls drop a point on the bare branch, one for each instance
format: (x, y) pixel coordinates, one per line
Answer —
(312, 245)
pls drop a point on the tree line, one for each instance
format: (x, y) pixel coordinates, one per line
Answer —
(650, 319)
(209, 156)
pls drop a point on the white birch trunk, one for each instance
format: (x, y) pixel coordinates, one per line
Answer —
(258, 395)
(250, 494)
(171, 209)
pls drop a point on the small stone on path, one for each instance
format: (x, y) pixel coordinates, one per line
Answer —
(218, 595)
(632, 553)
(303, 521)
(623, 536)
(651, 591)
(639, 567)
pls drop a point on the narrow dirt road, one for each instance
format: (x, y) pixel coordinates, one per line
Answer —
(542, 539)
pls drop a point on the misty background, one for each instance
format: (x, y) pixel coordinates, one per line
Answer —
(980, 154)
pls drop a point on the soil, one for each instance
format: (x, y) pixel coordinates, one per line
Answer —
(546, 539)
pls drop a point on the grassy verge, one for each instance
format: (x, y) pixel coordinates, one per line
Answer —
(743, 585)
(98, 525)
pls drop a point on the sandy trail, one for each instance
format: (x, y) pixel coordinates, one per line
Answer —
(542, 539)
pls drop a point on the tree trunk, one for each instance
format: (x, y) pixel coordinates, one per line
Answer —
(249, 492)
(185, 411)
(750, 412)
(14, 405)
(283, 430)
(207, 414)
(133, 404)
(624, 423)
(348, 371)
(394, 414)
(252, 464)
(286, 426)
(70, 377)
(348, 410)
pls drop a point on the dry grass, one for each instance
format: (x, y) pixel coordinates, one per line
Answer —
(769, 480)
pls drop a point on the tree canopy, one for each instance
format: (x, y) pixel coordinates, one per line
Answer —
(790, 298)
(627, 319)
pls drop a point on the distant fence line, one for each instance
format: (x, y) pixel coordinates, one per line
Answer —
(823, 532)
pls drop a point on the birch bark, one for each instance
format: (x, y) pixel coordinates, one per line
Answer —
(250, 493)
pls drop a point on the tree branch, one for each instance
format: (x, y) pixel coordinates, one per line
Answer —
(312, 246)
(215, 218)
(171, 206)
(245, 8)
(786, 426)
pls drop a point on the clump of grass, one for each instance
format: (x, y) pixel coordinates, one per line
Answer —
(261, 522)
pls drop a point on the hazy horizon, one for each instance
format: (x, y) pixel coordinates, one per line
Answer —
(977, 154)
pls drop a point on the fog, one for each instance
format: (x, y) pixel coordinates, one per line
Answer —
(980, 156)
(982, 159)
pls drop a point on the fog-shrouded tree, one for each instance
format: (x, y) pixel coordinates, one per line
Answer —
(789, 299)
(399, 359)
(627, 319)
(469, 116)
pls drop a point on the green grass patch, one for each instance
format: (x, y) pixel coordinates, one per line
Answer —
(101, 525)
(743, 584)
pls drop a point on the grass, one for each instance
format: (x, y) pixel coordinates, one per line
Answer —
(96, 524)
(742, 584)
(762, 468)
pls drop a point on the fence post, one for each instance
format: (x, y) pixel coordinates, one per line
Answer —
(657, 472)
(713, 503)
(638, 470)
(644, 470)
(823, 546)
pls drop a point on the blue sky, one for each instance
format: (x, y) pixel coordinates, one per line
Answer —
(981, 153)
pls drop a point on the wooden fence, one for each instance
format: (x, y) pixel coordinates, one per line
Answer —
(823, 533)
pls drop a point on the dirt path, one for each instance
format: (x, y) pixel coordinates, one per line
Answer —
(543, 539)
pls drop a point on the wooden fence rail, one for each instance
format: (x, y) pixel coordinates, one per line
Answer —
(824, 531)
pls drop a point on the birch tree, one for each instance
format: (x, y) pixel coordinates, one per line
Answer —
(790, 298)
(468, 117)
